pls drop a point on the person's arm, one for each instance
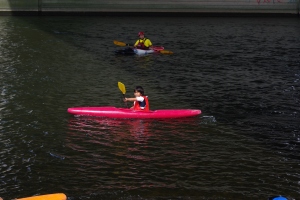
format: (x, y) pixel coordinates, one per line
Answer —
(136, 43)
(135, 99)
(148, 43)
(130, 99)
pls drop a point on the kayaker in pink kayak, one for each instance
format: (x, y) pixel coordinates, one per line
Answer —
(140, 101)
(142, 42)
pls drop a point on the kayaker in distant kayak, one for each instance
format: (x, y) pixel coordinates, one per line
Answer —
(140, 101)
(142, 42)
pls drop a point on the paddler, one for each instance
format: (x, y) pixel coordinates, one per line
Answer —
(140, 101)
(142, 42)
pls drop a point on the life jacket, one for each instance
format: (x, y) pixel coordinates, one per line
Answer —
(145, 103)
(141, 44)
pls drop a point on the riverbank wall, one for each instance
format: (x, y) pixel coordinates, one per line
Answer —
(149, 7)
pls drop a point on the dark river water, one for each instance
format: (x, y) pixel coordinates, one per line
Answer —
(243, 73)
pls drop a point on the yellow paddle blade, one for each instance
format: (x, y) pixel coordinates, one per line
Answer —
(166, 52)
(122, 87)
(57, 196)
(118, 43)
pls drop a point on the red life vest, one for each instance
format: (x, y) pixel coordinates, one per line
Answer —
(141, 44)
(137, 105)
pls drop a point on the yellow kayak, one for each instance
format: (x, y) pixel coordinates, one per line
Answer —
(57, 196)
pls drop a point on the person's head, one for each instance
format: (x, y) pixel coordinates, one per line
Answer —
(141, 35)
(138, 91)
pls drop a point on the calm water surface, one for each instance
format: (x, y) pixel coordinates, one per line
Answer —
(244, 74)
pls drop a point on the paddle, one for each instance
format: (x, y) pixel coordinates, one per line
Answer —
(166, 52)
(123, 44)
(123, 90)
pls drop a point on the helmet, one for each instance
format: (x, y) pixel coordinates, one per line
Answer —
(141, 33)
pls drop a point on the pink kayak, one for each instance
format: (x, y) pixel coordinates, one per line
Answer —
(113, 112)
(158, 48)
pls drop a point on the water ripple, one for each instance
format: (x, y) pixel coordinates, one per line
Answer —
(242, 73)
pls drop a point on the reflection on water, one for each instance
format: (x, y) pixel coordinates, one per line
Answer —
(137, 131)
(124, 150)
